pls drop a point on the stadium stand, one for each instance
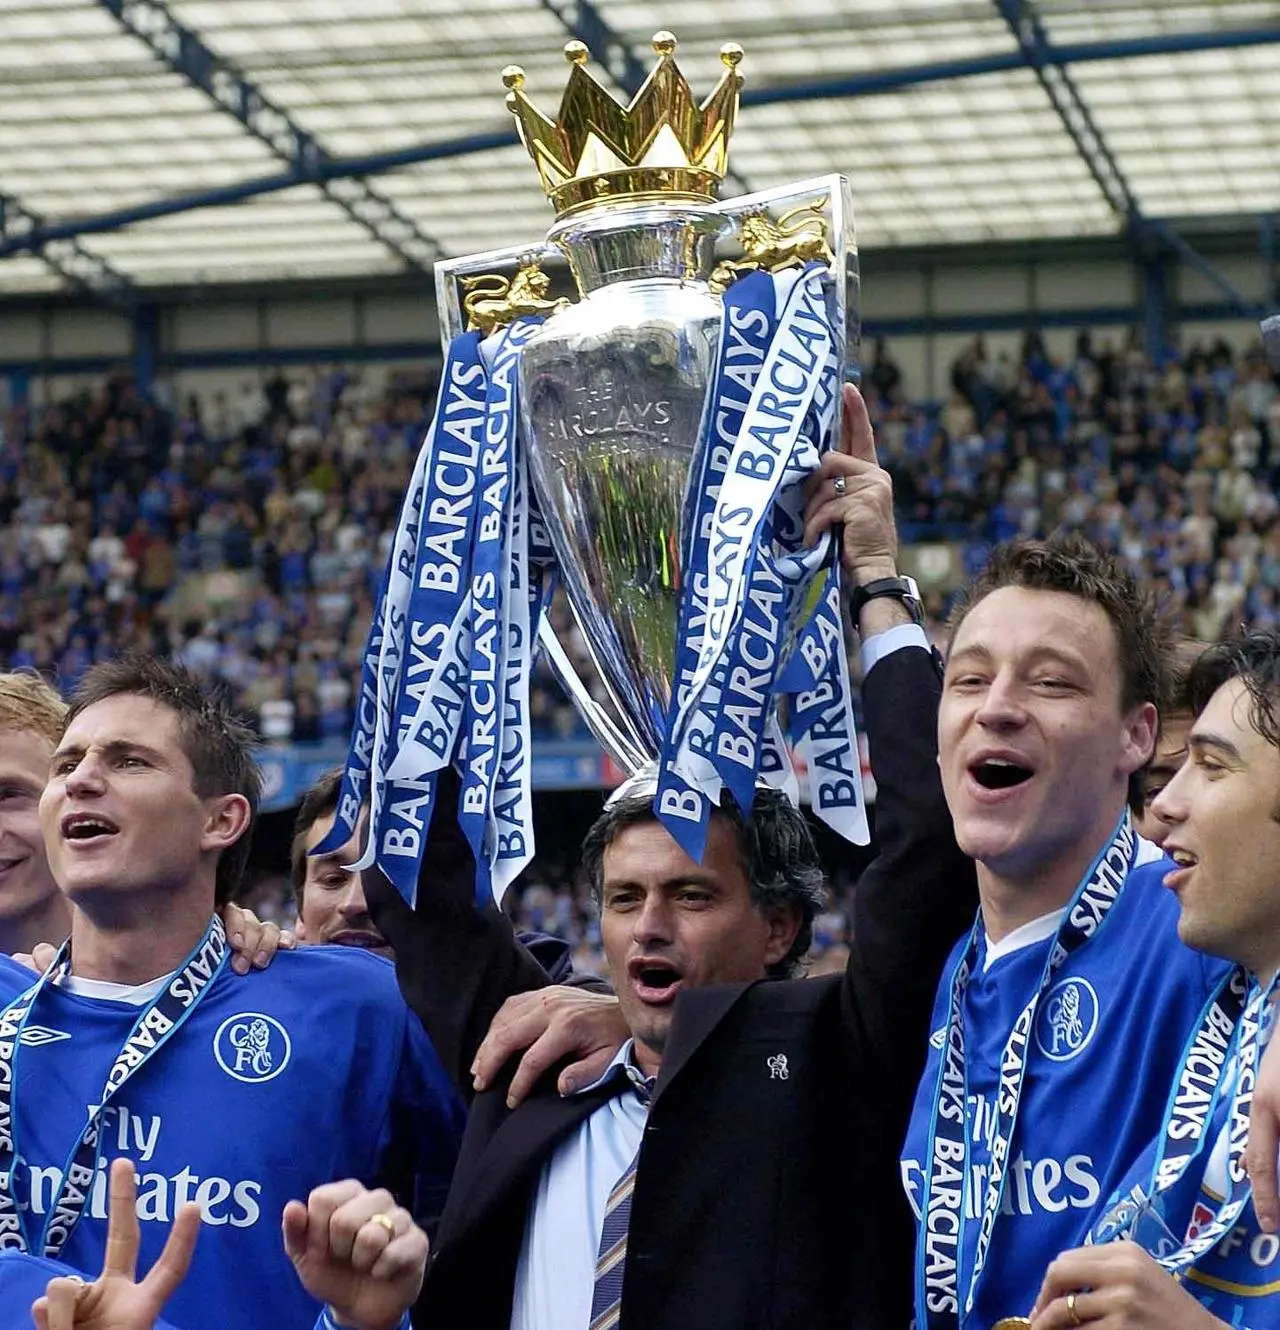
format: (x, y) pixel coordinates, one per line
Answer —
(245, 537)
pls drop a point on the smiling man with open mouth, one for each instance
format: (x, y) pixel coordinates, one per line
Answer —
(1061, 1020)
(1221, 812)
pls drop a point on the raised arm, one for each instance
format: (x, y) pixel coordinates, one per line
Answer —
(920, 892)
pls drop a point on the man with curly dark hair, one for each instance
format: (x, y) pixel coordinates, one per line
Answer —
(735, 1165)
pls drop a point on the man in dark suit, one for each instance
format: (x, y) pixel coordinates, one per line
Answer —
(748, 1134)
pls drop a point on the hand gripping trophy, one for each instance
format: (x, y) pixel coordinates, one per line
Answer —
(628, 410)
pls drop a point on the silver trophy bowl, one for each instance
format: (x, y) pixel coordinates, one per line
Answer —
(614, 389)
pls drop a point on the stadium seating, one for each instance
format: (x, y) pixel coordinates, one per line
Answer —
(246, 537)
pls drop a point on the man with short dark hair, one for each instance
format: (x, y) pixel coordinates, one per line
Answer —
(329, 898)
(331, 901)
(1062, 1018)
(136, 1042)
(1176, 715)
(1221, 812)
(33, 912)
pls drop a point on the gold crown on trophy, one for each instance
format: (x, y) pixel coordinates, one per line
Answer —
(663, 144)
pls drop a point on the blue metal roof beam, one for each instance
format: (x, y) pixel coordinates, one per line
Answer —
(852, 85)
(581, 19)
(1060, 87)
(76, 265)
(1164, 234)
(1050, 64)
(186, 53)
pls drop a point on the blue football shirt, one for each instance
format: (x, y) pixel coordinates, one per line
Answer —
(1107, 1040)
(1239, 1279)
(280, 1080)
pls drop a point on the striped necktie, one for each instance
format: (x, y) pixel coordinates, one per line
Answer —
(611, 1262)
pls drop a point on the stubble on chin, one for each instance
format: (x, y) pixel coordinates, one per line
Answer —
(652, 1033)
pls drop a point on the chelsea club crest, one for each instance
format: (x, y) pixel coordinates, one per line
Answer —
(252, 1047)
(1067, 1019)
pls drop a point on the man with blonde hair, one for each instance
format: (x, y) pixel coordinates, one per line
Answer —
(32, 909)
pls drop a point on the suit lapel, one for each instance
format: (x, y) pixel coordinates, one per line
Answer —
(698, 1012)
(517, 1151)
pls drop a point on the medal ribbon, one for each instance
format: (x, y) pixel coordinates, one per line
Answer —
(371, 732)
(511, 808)
(940, 1247)
(159, 1021)
(784, 391)
(688, 783)
(353, 788)
(1229, 1023)
(424, 690)
(491, 601)
(782, 569)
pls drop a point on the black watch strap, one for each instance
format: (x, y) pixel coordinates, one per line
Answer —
(899, 588)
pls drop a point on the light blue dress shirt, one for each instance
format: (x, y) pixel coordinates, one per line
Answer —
(557, 1271)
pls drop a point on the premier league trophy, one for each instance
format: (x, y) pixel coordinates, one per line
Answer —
(628, 409)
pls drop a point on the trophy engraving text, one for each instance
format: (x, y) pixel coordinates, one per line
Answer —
(602, 410)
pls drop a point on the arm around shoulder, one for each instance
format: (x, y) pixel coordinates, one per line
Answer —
(457, 962)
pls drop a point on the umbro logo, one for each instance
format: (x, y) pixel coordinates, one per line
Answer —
(34, 1036)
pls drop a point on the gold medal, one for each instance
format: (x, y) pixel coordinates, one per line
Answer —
(1012, 1323)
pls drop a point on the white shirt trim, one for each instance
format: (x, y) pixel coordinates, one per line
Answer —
(879, 645)
(1025, 935)
(1037, 930)
(132, 995)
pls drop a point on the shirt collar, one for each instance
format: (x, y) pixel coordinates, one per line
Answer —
(1025, 935)
(625, 1058)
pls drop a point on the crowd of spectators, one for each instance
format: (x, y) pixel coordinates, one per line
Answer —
(245, 535)
(1172, 462)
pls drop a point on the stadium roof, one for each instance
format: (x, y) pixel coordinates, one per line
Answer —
(155, 143)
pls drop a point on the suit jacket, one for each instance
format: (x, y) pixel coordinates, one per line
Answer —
(768, 1193)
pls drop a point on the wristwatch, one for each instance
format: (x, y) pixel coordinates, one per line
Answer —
(899, 588)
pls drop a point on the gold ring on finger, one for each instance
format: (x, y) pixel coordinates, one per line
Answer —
(1071, 1310)
(386, 1222)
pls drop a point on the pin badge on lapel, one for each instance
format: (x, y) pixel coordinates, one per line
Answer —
(778, 1068)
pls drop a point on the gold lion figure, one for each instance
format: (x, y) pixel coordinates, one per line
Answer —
(797, 237)
(492, 301)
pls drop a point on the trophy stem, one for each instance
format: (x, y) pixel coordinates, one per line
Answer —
(669, 239)
(601, 725)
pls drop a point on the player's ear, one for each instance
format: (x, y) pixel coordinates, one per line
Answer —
(227, 818)
(1139, 739)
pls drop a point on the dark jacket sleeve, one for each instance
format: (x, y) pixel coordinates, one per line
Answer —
(920, 892)
(457, 961)
(552, 953)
